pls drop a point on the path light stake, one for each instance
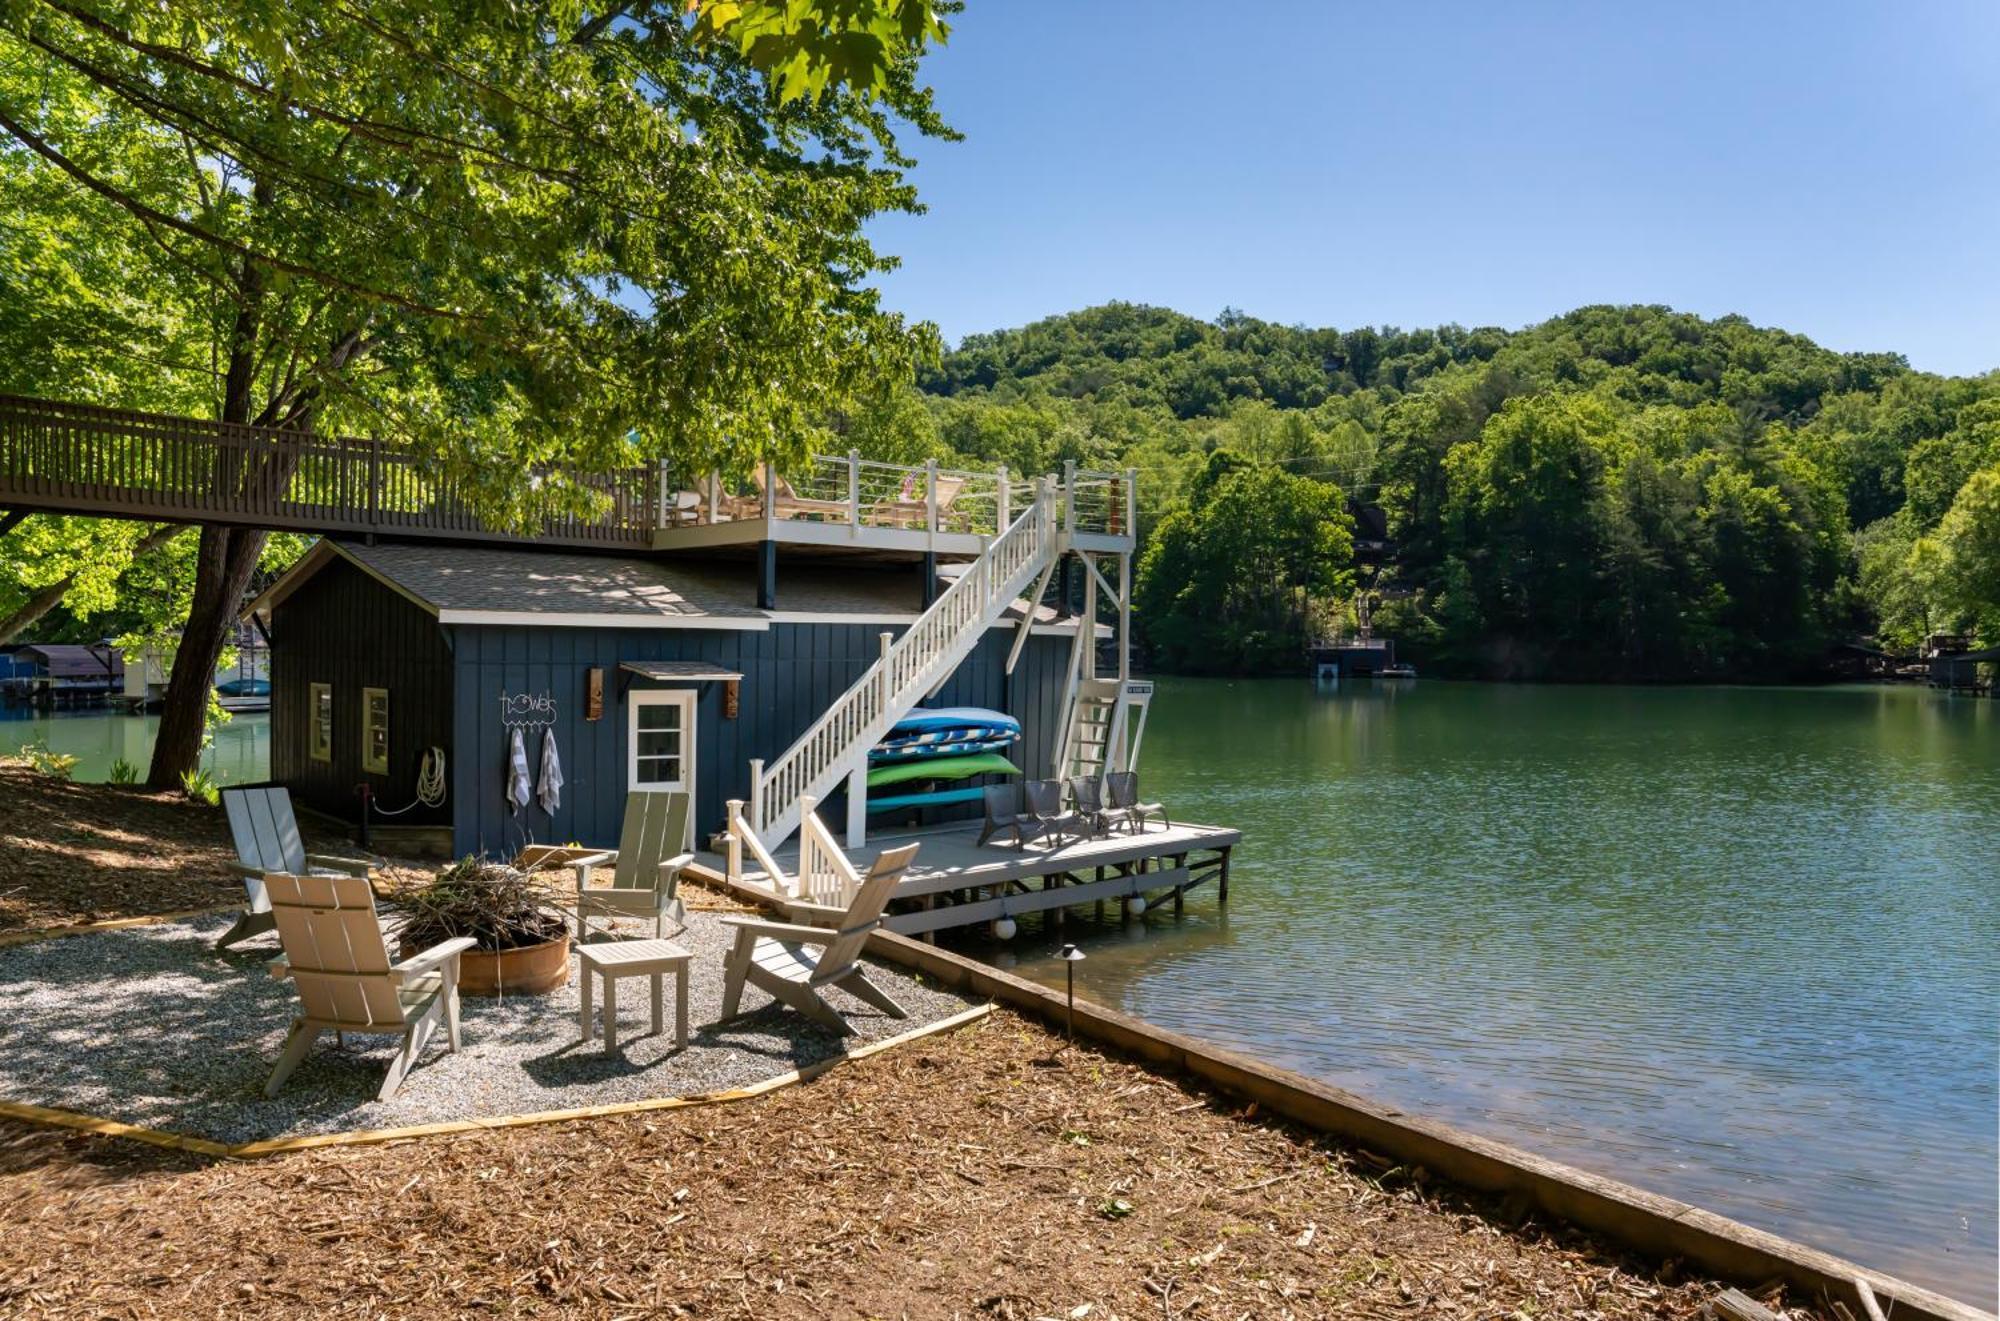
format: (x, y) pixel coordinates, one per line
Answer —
(1071, 956)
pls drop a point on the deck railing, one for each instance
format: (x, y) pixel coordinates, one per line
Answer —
(118, 462)
(909, 667)
(122, 463)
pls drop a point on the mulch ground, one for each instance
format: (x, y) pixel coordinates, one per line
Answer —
(982, 1175)
(961, 1176)
(73, 853)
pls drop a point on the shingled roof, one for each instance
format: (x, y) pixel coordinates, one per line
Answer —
(499, 585)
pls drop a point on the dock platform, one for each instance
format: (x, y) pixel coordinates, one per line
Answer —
(957, 882)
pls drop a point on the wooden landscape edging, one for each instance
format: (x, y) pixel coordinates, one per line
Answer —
(1655, 1226)
(38, 1114)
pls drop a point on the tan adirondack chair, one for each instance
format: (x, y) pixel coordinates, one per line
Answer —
(788, 503)
(335, 955)
(646, 865)
(794, 963)
(267, 840)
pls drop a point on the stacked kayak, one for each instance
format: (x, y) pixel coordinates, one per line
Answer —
(937, 745)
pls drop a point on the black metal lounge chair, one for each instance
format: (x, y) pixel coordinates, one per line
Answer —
(1121, 788)
(1002, 803)
(1045, 805)
(1088, 795)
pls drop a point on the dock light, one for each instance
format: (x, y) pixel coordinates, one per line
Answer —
(1071, 956)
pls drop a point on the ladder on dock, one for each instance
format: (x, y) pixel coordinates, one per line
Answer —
(911, 667)
(1107, 718)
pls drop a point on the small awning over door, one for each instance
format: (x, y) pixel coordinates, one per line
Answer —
(682, 670)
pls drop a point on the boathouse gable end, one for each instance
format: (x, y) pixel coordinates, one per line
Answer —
(346, 630)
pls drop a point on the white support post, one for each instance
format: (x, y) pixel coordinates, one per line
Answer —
(854, 493)
(756, 793)
(660, 509)
(770, 500)
(1132, 504)
(1124, 618)
(930, 500)
(1069, 496)
(733, 843)
(1003, 508)
(714, 496)
(1088, 630)
(882, 700)
(857, 805)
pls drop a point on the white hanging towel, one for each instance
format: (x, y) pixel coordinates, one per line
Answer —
(549, 791)
(518, 791)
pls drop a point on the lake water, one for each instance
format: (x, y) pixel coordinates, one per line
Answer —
(1738, 946)
(239, 753)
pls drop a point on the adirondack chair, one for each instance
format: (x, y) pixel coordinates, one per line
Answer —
(911, 510)
(794, 963)
(1088, 795)
(1045, 805)
(335, 955)
(788, 503)
(646, 875)
(1122, 789)
(267, 840)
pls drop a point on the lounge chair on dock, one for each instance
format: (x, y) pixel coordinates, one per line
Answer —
(1004, 816)
(1121, 789)
(795, 963)
(1087, 792)
(267, 839)
(1045, 805)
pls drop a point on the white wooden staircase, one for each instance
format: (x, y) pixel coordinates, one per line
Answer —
(911, 667)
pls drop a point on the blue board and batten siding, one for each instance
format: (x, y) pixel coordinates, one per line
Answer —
(343, 629)
(445, 683)
(791, 673)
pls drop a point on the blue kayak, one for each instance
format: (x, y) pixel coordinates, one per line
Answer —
(935, 798)
(931, 718)
(955, 748)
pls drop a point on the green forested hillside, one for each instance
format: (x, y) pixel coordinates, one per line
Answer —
(1618, 492)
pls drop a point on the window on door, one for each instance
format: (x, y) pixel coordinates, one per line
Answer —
(662, 743)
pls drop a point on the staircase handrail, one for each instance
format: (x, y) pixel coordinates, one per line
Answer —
(903, 674)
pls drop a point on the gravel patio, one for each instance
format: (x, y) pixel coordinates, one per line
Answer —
(149, 1025)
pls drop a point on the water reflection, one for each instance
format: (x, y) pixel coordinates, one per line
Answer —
(238, 753)
(1735, 945)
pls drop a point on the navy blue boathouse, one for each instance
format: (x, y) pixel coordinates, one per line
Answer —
(388, 659)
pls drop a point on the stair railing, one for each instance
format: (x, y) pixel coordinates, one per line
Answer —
(908, 667)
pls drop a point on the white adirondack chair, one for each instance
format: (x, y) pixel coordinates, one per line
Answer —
(267, 840)
(335, 955)
(793, 963)
(646, 865)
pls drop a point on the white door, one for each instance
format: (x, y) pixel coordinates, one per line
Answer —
(660, 752)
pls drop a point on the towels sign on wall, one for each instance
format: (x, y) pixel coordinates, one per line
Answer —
(520, 714)
(527, 711)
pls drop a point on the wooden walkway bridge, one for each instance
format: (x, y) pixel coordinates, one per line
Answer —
(118, 463)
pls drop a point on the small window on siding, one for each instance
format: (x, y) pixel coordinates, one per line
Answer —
(319, 716)
(375, 730)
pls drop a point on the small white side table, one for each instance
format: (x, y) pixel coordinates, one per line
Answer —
(635, 958)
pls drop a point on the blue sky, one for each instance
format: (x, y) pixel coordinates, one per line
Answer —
(1830, 168)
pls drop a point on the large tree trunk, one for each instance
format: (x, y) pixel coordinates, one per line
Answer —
(46, 600)
(223, 564)
(227, 558)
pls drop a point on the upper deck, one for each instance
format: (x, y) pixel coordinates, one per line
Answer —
(118, 463)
